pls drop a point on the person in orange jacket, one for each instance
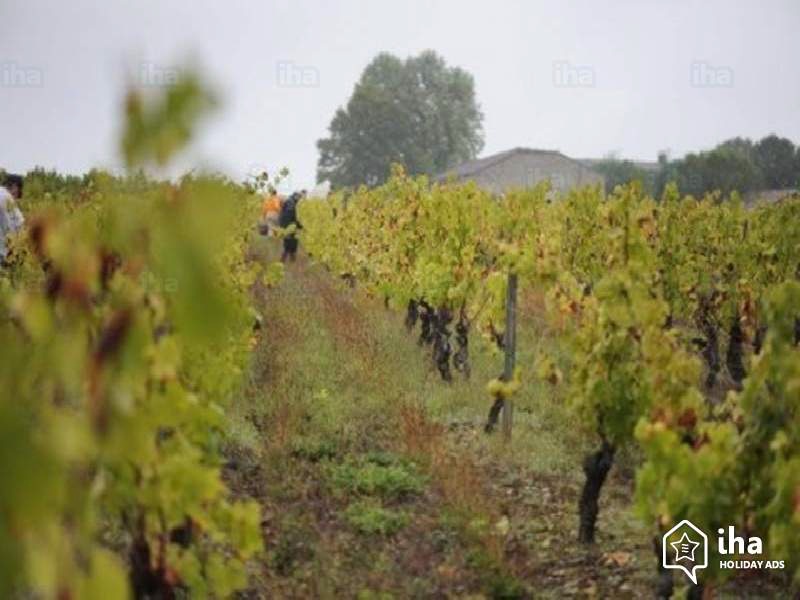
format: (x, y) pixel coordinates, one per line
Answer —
(270, 209)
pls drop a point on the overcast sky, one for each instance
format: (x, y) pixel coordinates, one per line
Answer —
(584, 77)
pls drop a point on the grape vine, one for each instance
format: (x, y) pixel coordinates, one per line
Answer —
(679, 315)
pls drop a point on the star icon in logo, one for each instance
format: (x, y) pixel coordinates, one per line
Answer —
(684, 548)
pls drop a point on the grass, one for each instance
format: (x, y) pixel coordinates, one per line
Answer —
(369, 517)
(388, 481)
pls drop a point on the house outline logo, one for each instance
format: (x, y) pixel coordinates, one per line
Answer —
(685, 550)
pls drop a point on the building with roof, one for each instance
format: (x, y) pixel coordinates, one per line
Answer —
(523, 168)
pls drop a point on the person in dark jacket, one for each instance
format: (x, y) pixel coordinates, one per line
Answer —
(287, 217)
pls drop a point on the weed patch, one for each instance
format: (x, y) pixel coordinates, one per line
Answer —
(392, 481)
(370, 518)
(498, 582)
(313, 449)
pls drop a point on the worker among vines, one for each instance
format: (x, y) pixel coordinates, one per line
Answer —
(11, 219)
(270, 210)
(287, 218)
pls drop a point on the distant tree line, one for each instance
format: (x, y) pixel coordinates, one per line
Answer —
(42, 184)
(739, 164)
(41, 181)
(619, 172)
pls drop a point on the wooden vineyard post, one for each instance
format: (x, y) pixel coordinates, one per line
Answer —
(511, 350)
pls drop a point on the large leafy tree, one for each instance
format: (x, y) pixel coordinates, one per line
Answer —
(418, 112)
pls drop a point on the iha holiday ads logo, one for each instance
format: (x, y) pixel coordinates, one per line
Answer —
(685, 547)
